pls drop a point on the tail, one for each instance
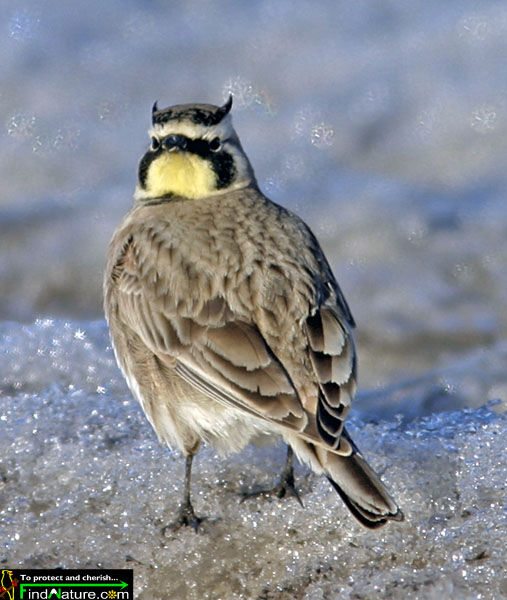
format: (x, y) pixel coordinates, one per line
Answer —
(355, 481)
(359, 486)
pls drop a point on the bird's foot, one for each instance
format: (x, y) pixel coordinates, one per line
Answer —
(284, 488)
(186, 517)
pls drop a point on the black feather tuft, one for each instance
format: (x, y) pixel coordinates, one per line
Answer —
(225, 109)
(153, 111)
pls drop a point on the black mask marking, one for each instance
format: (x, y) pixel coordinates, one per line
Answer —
(222, 162)
(145, 163)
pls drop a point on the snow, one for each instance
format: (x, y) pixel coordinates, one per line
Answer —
(383, 124)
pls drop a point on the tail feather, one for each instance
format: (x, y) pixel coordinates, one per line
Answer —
(359, 486)
(352, 477)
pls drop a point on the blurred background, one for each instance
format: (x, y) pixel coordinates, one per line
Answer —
(382, 123)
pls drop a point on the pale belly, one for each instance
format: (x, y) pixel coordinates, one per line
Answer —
(182, 415)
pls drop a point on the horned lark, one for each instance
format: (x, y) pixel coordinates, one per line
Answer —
(225, 316)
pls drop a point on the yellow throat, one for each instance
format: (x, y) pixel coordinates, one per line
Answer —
(182, 174)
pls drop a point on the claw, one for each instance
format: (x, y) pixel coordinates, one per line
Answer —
(279, 491)
(285, 487)
(186, 517)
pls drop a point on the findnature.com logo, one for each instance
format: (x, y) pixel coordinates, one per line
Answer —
(67, 584)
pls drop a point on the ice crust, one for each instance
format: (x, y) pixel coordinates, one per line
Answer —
(84, 482)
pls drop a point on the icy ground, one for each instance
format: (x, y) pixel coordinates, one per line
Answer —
(84, 482)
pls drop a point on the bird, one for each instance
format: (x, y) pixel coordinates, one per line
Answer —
(225, 317)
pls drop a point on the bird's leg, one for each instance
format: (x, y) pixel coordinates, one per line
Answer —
(186, 514)
(285, 487)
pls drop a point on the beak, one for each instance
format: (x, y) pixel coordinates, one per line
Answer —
(174, 143)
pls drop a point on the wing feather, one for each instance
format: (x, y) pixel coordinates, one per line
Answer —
(240, 344)
(221, 348)
(332, 355)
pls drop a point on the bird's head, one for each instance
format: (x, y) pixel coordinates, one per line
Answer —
(194, 153)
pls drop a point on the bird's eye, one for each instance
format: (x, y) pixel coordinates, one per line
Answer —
(155, 144)
(215, 145)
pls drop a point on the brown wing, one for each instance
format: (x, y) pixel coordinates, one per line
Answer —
(181, 315)
(220, 354)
